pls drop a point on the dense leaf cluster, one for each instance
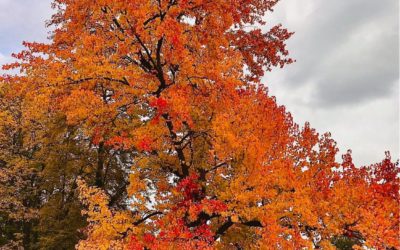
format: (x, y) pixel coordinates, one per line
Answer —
(144, 125)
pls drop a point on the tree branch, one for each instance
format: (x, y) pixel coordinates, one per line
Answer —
(136, 223)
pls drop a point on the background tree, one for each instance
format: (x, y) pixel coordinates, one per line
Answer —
(154, 112)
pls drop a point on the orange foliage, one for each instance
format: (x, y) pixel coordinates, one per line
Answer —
(216, 163)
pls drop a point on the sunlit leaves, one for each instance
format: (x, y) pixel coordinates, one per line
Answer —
(153, 112)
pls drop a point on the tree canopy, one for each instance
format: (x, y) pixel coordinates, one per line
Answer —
(145, 125)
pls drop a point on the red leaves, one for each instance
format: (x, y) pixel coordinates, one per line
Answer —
(118, 142)
(214, 206)
(175, 40)
(97, 136)
(145, 144)
(189, 186)
(263, 50)
(160, 104)
(134, 244)
(386, 177)
(149, 238)
(204, 232)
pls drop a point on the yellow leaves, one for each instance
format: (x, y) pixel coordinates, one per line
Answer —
(235, 218)
(136, 184)
(79, 105)
(6, 119)
(193, 212)
(327, 245)
(105, 226)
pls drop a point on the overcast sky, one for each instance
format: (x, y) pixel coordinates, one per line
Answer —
(345, 80)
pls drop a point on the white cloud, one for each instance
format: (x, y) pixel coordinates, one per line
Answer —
(346, 78)
(22, 20)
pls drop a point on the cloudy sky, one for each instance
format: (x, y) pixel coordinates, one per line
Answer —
(345, 80)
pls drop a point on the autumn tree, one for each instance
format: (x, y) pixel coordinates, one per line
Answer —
(153, 113)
